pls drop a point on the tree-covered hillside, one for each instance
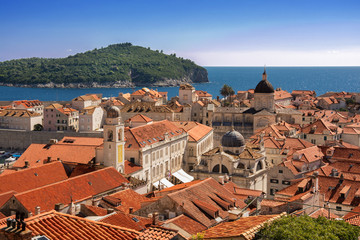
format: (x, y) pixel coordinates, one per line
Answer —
(106, 66)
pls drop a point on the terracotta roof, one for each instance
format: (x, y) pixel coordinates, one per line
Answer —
(87, 97)
(127, 221)
(18, 113)
(37, 154)
(202, 93)
(244, 227)
(187, 224)
(310, 154)
(304, 92)
(28, 103)
(30, 178)
(234, 189)
(65, 110)
(127, 198)
(324, 213)
(149, 134)
(195, 130)
(83, 141)
(89, 110)
(176, 187)
(94, 210)
(272, 203)
(156, 232)
(59, 226)
(140, 118)
(73, 189)
(321, 127)
(203, 194)
(346, 154)
(282, 94)
(131, 167)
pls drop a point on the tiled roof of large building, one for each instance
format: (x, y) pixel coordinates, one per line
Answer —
(31, 178)
(195, 130)
(18, 113)
(157, 233)
(202, 93)
(71, 190)
(244, 227)
(93, 210)
(38, 154)
(127, 198)
(146, 135)
(204, 196)
(129, 221)
(60, 226)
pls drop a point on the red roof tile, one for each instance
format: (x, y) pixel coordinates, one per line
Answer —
(73, 189)
(31, 178)
(187, 224)
(59, 226)
(195, 130)
(36, 154)
(127, 198)
(244, 227)
(127, 221)
(160, 233)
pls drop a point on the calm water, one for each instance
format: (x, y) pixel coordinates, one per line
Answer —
(320, 79)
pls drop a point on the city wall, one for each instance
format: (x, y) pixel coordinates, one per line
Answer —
(20, 140)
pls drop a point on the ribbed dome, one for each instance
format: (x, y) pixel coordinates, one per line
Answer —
(264, 86)
(232, 139)
(113, 112)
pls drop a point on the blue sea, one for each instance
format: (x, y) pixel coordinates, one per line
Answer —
(320, 79)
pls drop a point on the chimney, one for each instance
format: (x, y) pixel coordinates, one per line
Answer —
(37, 210)
(59, 206)
(26, 164)
(131, 210)
(316, 184)
(155, 218)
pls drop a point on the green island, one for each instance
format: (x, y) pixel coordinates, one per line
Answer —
(118, 65)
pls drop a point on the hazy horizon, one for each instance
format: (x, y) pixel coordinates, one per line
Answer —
(211, 33)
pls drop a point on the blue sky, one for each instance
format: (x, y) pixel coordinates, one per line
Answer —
(212, 33)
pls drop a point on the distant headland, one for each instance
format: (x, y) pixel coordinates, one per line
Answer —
(118, 65)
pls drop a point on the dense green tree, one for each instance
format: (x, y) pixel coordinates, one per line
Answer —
(226, 91)
(38, 127)
(118, 62)
(305, 227)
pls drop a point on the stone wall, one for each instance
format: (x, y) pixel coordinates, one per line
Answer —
(20, 140)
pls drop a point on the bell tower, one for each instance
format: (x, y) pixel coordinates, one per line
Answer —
(114, 154)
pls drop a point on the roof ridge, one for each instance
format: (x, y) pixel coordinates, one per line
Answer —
(68, 179)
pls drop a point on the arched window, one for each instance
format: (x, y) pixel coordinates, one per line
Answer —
(240, 166)
(223, 169)
(110, 135)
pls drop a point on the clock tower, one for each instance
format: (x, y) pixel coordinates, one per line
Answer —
(114, 154)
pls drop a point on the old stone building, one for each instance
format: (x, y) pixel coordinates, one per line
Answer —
(244, 163)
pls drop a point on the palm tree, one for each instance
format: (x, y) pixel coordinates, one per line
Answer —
(226, 91)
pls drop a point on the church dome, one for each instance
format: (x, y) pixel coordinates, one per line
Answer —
(113, 112)
(233, 139)
(264, 86)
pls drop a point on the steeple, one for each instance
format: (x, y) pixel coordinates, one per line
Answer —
(264, 74)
